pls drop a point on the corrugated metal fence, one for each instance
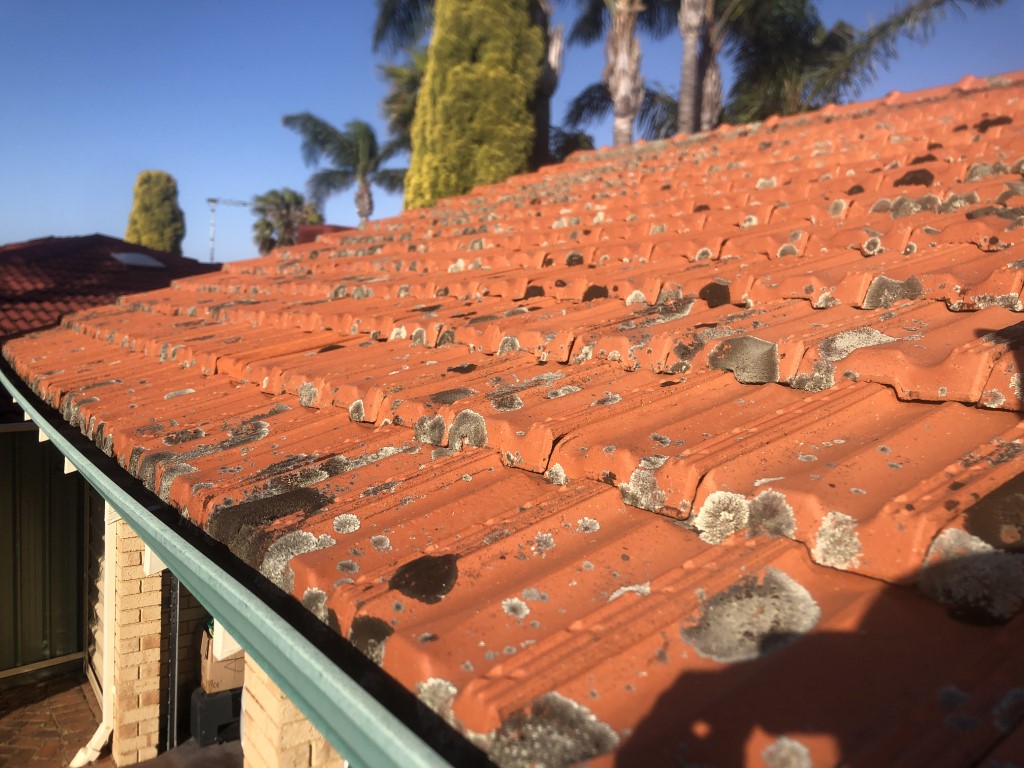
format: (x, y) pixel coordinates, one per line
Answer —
(41, 554)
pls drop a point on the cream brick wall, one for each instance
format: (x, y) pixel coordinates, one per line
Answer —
(137, 658)
(275, 734)
(142, 645)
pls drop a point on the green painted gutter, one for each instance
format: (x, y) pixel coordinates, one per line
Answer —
(358, 726)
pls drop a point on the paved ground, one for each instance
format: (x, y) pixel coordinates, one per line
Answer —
(43, 725)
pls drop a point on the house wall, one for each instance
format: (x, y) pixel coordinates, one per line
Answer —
(275, 733)
(142, 652)
(137, 640)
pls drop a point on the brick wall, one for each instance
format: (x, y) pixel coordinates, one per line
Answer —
(142, 653)
(275, 734)
(137, 641)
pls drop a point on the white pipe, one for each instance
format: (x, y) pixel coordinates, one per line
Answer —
(91, 751)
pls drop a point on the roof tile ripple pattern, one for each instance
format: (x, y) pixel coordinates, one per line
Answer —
(706, 451)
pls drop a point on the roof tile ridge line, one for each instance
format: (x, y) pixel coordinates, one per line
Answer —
(833, 110)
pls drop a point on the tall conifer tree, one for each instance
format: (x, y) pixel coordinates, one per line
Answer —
(473, 123)
(156, 220)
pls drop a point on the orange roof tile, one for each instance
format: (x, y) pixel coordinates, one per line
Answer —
(706, 451)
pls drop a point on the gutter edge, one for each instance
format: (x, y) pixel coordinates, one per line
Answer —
(358, 726)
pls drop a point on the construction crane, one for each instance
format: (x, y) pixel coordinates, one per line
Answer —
(213, 201)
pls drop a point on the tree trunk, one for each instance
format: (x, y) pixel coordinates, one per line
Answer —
(691, 20)
(546, 85)
(711, 99)
(622, 69)
(364, 203)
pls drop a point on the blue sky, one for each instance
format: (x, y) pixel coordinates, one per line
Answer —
(94, 92)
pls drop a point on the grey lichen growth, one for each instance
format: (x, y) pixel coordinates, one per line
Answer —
(771, 514)
(871, 246)
(468, 428)
(381, 543)
(556, 475)
(751, 619)
(568, 389)
(508, 344)
(721, 515)
(543, 543)
(642, 490)
(752, 360)
(838, 347)
(430, 429)
(356, 411)
(643, 590)
(315, 601)
(308, 394)
(884, 291)
(837, 544)
(506, 401)
(587, 525)
(609, 398)
(346, 523)
(437, 694)
(276, 564)
(976, 581)
(554, 732)
(515, 608)
(821, 377)
(786, 753)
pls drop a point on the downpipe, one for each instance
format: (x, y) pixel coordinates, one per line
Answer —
(91, 751)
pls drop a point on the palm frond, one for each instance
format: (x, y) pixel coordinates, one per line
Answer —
(400, 24)
(362, 144)
(319, 138)
(564, 143)
(659, 17)
(658, 117)
(590, 25)
(390, 179)
(592, 104)
(326, 182)
(399, 105)
(850, 70)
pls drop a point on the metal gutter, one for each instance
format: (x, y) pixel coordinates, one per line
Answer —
(358, 726)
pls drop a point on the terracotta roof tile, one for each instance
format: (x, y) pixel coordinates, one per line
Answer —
(42, 280)
(690, 449)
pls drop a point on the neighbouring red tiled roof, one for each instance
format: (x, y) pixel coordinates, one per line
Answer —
(45, 279)
(640, 455)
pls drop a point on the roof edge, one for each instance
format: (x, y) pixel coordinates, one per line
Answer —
(358, 726)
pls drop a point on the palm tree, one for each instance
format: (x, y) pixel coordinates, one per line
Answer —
(778, 56)
(617, 21)
(848, 70)
(657, 118)
(355, 157)
(281, 212)
(401, 24)
(399, 104)
(784, 59)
